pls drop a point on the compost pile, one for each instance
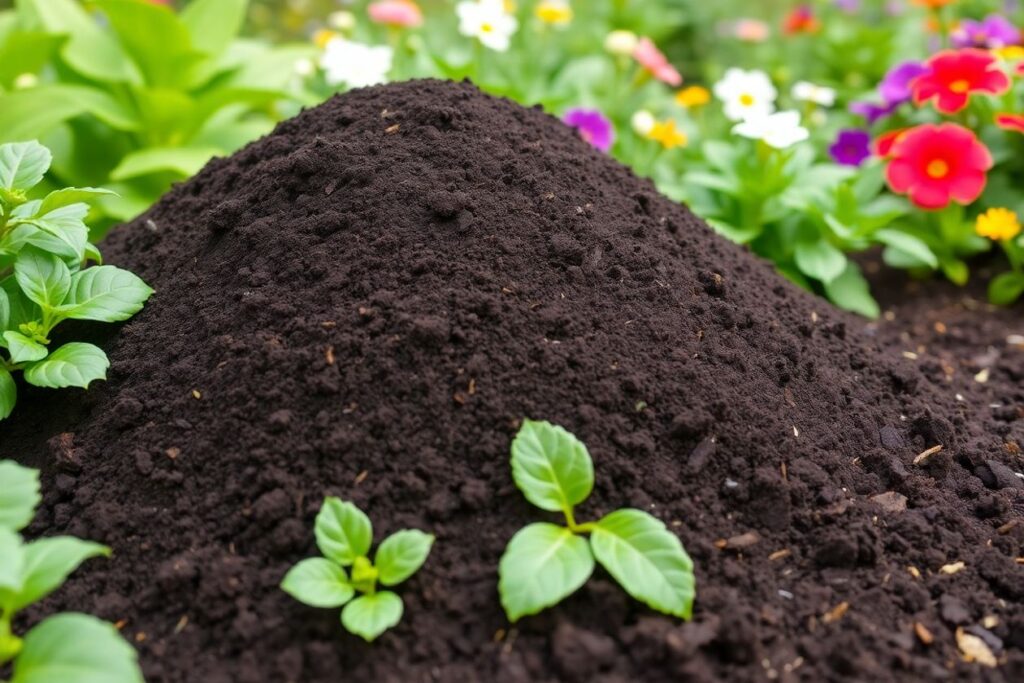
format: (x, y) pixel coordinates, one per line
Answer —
(368, 301)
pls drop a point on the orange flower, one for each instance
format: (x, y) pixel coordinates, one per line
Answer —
(1014, 122)
(801, 20)
(886, 141)
(932, 4)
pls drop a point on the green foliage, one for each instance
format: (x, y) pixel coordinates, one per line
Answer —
(133, 96)
(44, 250)
(71, 648)
(545, 563)
(344, 535)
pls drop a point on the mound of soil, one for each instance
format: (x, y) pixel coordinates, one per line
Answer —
(368, 301)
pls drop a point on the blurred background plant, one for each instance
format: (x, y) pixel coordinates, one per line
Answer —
(808, 130)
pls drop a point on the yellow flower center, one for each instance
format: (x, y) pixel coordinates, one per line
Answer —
(554, 13)
(961, 86)
(937, 169)
(486, 28)
(998, 224)
(747, 100)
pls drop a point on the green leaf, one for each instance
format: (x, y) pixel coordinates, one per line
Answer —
(43, 277)
(181, 161)
(646, 559)
(23, 349)
(12, 565)
(342, 531)
(21, 309)
(213, 24)
(66, 232)
(8, 399)
(370, 615)
(90, 50)
(956, 270)
(35, 112)
(850, 291)
(542, 565)
(104, 293)
(1005, 289)
(49, 562)
(75, 364)
(908, 244)
(23, 164)
(401, 555)
(318, 583)
(551, 466)
(820, 260)
(70, 195)
(76, 648)
(5, 309)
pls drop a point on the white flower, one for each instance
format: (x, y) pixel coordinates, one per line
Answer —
(746, 94)
(355, 64)
(341, 20)
(809, 92)
(642, 122)
(780, 130)
(621, 43)
(304, 67)
(487, 21)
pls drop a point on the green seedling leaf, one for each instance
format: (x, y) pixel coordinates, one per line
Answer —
(401, 555)
(8, 399)
(646, 559)
(105, 293)
(23, 164)
(71, 195)
(551, 466)
(5, 309)
(318, 582)
(43, 277)
(820, 260)
(908, 244)
(19, 494)
(76, 364)
(213, 24)
(1006, 288)
(850, 291)
(542, 565)
(12, 565)
(76, 648)
(48, 562)
(368, 616)
(342, 531)
(23, 349)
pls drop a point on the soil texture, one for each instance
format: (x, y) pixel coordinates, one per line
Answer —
(367, 302)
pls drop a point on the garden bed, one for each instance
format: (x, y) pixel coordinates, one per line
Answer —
(367, 303)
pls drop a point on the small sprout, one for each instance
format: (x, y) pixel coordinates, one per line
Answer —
(344, 535)
(63, 647)
(544, 563)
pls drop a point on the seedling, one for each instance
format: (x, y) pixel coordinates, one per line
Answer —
(545, 563)
(44, 246)
(344, 534)
(69, 647)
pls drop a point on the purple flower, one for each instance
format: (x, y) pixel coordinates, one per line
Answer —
(895, 87)
(592, 126)
(852, 147)
(848, 6)
(994, 32)
(872, 112)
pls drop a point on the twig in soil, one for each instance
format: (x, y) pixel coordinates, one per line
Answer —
(952, 568)
(779, 554)
(924, 455)
(836, 613)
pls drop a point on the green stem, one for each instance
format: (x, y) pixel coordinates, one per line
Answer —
(10, 644)
(570, 520)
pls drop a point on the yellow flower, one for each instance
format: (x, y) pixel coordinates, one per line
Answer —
(665, 132)
(554, 12)
(694, 96)
(322, 37)
(998, 224)
(1010, 53)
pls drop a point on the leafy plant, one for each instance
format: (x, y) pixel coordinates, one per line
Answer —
(69, 647)
(544, 563)
(44, 244)
(134, 96)
(344, 535)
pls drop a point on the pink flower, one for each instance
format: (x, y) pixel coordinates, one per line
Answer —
(652, 59)
(404, 13)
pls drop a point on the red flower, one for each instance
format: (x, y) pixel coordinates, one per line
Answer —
(953, 76)
(885, 142)
(801, 20)
(1014, 122)
(936, 163)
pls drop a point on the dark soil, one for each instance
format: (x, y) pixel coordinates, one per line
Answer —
(368, 301)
